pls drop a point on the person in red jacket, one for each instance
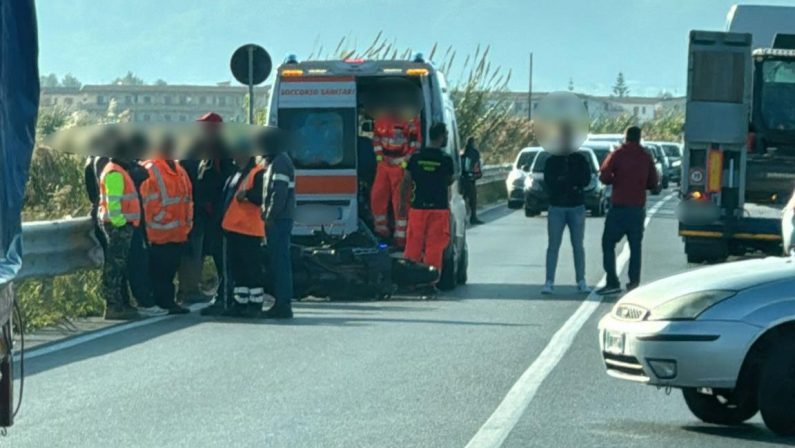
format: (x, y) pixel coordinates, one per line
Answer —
(394, 141)
(631, 171)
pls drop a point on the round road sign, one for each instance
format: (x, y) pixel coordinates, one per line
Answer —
(251, 64)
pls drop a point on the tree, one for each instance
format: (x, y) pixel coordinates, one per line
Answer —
(161, 82)
(70, 81)
(571, 85)
(129, 80)
(620, 89)
(50, 80)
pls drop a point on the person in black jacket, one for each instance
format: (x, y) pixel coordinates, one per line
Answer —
(565, 178)
(470, 158)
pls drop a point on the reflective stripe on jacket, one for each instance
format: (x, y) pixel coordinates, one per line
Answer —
(119, 204)
(244, 217)
(168, 202)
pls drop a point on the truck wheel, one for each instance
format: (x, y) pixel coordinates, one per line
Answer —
(777, 388)
(722, 408)
(530, 212)
(463, 265)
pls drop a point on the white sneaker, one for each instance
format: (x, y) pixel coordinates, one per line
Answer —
(151, 311)
(548, 288)
(583, 287)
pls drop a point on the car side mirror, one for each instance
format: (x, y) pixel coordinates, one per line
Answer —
(526, 168)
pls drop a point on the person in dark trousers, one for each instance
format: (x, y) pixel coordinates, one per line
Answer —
(244, 231)
(630, 170)
(92, 169)
(565, 177)
(278, 210)
(472, 171)
(365, 172)
(430, 171)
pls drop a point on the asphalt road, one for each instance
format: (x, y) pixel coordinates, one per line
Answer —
(399, 373)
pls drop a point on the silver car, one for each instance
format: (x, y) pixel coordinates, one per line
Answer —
(723, 334)
(516, 178)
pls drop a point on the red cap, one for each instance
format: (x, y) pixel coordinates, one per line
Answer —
(211, 117)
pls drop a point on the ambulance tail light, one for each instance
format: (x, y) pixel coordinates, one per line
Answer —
(417, 72)
(292, 73)
(750, 142)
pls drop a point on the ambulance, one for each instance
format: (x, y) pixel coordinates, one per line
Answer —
(326, 107)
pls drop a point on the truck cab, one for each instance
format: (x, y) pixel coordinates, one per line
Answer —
(326, 106)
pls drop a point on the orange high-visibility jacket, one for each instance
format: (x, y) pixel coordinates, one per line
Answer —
(395, 139)
(114, 208)
(243, 217)
(168, 202)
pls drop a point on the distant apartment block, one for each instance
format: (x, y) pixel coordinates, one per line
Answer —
(150, 103)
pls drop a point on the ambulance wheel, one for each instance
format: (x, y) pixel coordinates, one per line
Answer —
(447, 279)
(463, 265)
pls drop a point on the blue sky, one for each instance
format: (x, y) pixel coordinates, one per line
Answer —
(190, 41)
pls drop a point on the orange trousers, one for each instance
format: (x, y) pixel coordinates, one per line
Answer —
(385, 194)
(427, 236)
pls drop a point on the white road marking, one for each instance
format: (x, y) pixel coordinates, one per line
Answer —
(500, 424)
(88, 337)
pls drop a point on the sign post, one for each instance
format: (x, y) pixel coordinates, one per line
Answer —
(251, 65)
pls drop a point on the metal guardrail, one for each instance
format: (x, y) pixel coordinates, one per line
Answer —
(63, 246)
(59, 247)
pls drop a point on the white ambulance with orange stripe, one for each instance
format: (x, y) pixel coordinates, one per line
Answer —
(324, 106)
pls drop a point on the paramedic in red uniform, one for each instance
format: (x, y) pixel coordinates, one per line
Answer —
(394, 140)
(431, 172)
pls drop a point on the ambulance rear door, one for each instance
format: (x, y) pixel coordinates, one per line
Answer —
(319, 112)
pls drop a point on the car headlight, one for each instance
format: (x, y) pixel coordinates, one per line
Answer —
(689, 306)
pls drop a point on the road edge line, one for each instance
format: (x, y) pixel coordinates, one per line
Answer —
(495, 430)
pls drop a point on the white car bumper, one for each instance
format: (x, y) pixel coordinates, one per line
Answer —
(693, 353)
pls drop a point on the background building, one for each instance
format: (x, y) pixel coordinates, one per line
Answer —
(156, 103)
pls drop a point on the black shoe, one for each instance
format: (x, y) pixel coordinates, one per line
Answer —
(631, 286)
(173, 308)
(608, 290)
(278, 312)
(235, 310)
(215, 309)
(254, 310)
(122, 312)
(476, 222)
(428, 292)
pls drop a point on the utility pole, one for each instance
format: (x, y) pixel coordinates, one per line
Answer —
(530, 91)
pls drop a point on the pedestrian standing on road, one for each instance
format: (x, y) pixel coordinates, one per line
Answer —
(430, 171)
(565, 178)
(244, 231)
(631, 171)
(168, 211)
(278, 210)
(119, 211)
(472, 171)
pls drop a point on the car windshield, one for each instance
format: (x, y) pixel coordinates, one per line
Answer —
(778, 94)
(525, 158)
(672, 151)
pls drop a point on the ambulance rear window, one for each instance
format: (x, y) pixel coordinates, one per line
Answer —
(323, 138)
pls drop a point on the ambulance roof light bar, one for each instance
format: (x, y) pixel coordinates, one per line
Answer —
(419, 57)
(291, 59)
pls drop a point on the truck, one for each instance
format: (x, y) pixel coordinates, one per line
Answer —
(328, 106)
(738, 165)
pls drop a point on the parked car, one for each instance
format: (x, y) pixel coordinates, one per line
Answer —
(616, 139)
(536, 199)
(673, 151)
(661, 162)
(723, 334)
(601, 149)
(520, 169)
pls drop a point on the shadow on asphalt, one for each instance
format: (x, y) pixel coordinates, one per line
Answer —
(501, 291)
(747, 432)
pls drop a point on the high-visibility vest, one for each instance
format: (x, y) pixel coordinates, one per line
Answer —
(130, 203)
(242, 216)
(168, 202)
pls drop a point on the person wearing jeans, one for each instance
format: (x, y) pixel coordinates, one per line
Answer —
(565, 178)
(631, 171)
